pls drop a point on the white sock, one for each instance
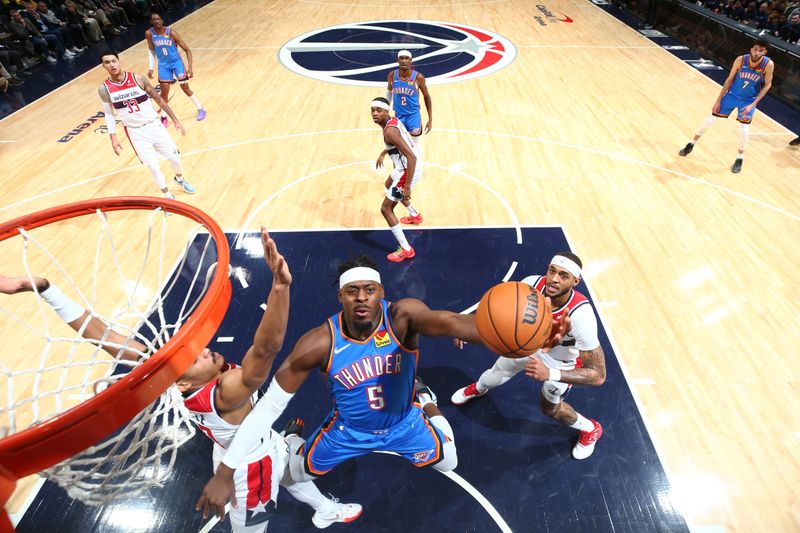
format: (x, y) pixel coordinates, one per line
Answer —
(411, 211)
(744, 134)
(397, 231)
(308, 493)
(582, 423)
(196, 101)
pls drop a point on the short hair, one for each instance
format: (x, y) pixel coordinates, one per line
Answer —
(381, 99)
(156, 13)
(108, 52)
(761, 42)
(574, 258)
(352, 262)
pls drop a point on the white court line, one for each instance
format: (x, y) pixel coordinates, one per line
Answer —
(511, 270)
(241, 278)
(224, 339)
(214, 520)
(16, 517)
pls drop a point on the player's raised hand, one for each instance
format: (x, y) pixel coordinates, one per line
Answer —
(216, 493)
(275, 261)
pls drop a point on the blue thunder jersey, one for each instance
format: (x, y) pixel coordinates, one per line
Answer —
(165, 47)
(371, 381)
(405, 95)
(749, 81)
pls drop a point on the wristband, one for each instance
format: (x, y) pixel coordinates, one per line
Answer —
(555, 375)
(67, 309)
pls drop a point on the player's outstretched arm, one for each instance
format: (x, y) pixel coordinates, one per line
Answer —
(75, 316)
(151, 92)
(310, 352)
(438, 323)
(269, 336)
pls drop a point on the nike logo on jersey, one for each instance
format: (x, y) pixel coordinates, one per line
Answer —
(341, 348)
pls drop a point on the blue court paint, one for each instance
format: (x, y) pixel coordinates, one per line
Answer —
(517, 458)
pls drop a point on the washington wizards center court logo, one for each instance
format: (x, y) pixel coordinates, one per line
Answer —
(362, 53)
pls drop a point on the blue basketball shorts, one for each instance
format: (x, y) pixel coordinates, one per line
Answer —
(169, 71)
(412, 122)
(414, 438)
(730, 102)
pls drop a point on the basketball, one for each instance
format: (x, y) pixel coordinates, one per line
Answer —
(513, 319)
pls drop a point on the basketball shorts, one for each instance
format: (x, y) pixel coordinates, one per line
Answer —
(414, 438)
(412, 122)
(256, 482)
(730, 102)
(149, 139)
(169, 71)
(555, 391)
(398, 176)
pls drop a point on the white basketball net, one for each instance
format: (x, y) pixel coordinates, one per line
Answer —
(132, 276)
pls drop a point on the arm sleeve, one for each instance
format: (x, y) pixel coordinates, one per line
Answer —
(151, 59)
(584, 328)
(111, 123)
(256, 424)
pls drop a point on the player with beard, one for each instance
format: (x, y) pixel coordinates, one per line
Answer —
(577, 360)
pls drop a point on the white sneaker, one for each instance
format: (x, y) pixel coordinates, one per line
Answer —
(470, 392)
(68, 54)
(345, 512)
(52, 60)
(76, 50)
(587, 440)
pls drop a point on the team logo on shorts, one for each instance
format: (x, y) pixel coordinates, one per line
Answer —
(421, 457)
(382, 338)
(363, 53)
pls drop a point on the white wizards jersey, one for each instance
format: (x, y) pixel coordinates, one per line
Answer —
(582, 335)
(399, 160)
(132, 104)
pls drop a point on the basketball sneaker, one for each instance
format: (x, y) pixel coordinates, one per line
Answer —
(737, 166)
(686, 150)
(400, 255)
(344, 512)
(587, 440)
(201, 114)
(412, 220)
(187, 187)
(293, 427)
(424, 393)
(470, 392)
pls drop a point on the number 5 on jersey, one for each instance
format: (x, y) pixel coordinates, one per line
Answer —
(375, 395)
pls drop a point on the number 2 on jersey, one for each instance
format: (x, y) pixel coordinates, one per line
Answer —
(375, 395)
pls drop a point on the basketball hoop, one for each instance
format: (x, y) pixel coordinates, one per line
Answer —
(140, 404)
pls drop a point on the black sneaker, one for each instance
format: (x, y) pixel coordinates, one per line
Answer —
(686, 150)
(795, 142)
(737, 166)
(421, 388)
(294, 427)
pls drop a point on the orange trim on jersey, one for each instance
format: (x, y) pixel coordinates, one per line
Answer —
(436, 439)
(365, 341)
(330, 351)
(310, 452)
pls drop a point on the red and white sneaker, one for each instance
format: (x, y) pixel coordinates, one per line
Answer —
(345, 512)
(587, 440)
(470, 392)
(412, 220)
(401, 255)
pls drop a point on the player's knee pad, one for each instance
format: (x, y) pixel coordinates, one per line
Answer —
(297, 469)
(449, 457)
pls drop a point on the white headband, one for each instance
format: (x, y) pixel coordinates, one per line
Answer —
(379, 103)
(404, 53)
(567, 264)
(359, 274)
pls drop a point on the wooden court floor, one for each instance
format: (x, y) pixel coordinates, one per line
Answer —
(692, 265)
